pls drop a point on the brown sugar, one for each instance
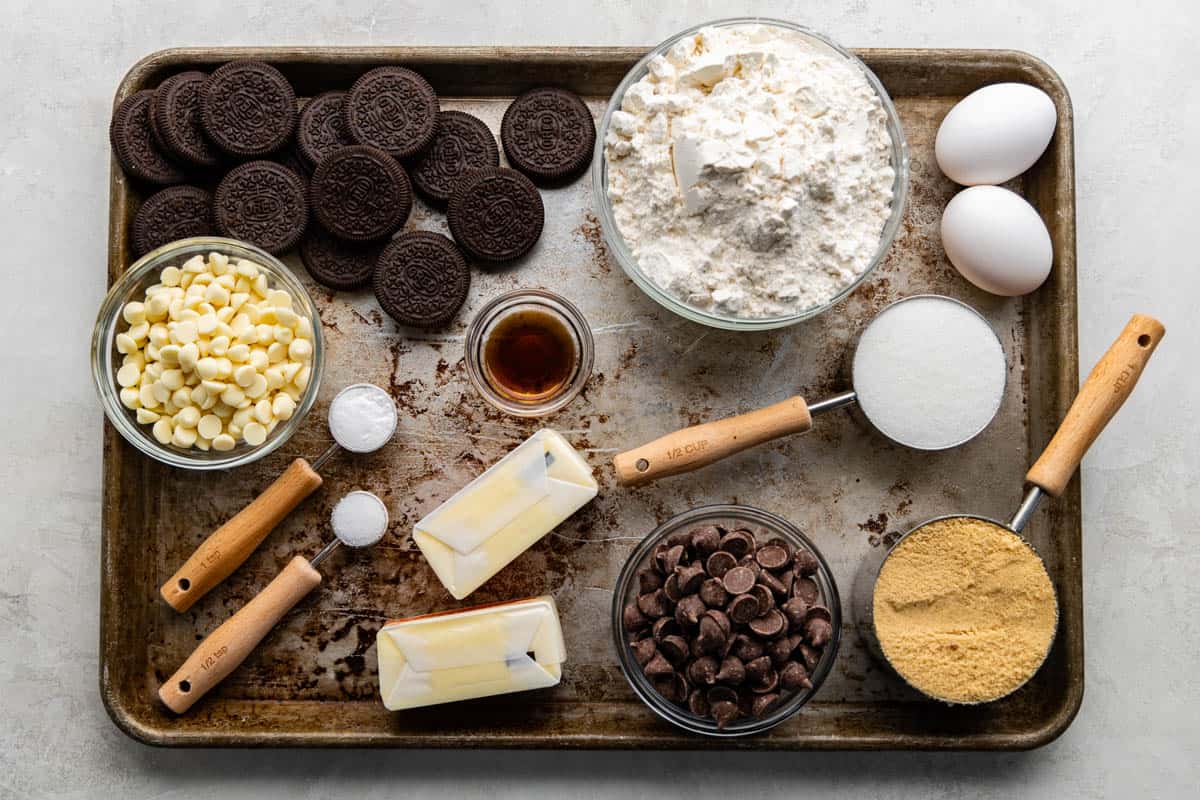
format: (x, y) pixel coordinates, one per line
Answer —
(964, 610)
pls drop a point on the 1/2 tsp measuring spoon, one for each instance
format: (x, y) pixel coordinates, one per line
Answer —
(228, 646)
(232, 543)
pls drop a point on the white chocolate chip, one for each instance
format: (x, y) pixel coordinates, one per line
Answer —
(132, 399)
(162, 431)
(254, 434)
(300, 350)
(128, 375)
(146, 417)
(134, 312)
(210, 426)
(283, 407)
(187, 417)
(183, 437)
(263, 411)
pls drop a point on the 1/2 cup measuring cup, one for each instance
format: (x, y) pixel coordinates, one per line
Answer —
(232, 543)
(928, 373)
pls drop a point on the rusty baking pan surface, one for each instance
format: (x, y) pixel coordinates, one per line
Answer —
(313, 681)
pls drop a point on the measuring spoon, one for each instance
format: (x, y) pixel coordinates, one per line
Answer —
(360, 519)
(969, 371)
(1106, 389)
(229, 545)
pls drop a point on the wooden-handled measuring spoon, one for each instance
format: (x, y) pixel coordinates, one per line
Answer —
(232, 543)
(359, 520)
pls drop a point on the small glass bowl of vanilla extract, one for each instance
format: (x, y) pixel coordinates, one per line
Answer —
(529, 352)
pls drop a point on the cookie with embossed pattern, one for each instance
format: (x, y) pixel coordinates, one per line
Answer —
(247, 109)
(134, 146)
(496, 214)
(176, 212)
(175, 118)
(421, 279)
(462, 144)
(263, 203)
(322, 128)
(549, 135)
(336, 263)
(360, 194)
(394, 109)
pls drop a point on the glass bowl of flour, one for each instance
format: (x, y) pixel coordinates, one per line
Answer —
(750, 173)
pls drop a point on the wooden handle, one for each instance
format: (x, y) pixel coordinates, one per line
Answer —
(700, 445)
(232, 543)
(227, 647)
(1105, 390)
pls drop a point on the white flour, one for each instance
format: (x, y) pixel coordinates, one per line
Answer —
(750, 171)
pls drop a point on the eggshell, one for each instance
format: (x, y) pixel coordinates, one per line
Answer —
(996, 240)
(995, 133)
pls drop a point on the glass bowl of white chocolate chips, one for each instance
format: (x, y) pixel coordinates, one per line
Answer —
(750, 173)
(207, 353)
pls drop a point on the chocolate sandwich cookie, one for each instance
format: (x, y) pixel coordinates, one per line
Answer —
(421, 279)
(496, 214)
(262, 203)
(323, 127)
(462, 144)
(549, 134)
(336, 263)
(248, 109)
(360, 194)
(176, 212)
(175, 118)
(394, 109)
(134, 146)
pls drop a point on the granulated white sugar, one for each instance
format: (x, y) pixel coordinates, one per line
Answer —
(929, 373)
(362, 418)
(359, 519)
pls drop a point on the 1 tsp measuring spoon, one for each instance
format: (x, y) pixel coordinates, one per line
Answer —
(938, 341)
(360, 519)
(232, 543)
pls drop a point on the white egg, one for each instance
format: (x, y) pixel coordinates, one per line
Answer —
(996, 240)
(995, 133)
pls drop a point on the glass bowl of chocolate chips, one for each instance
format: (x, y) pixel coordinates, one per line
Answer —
(727, 620)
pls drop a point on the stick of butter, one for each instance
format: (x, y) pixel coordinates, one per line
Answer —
(476, 652)
(497, 516)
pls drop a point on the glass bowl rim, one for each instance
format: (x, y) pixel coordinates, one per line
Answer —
(104, 357)
(900, 160)
(638, 682)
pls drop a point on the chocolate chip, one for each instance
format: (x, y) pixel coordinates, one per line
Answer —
(695, 647)
(732, 672)
(742, 608)
(657, 556)
(757, 669)
(805, 562)
(672, 558)
(818, 612)
(807, 590)
(654, 604)
(698, 703)
(775, 541)
(690, 577)
(688, 612)
(818, 632)
(671, 587)
(766, 600)
(811, 656)
(675, 649)
(739, 543)
(780, 650)
(768, 683)
(719, 563)
(794, 676)
(749, 563)
(713, 593)
(648, 581)
(706, 540)
(664, 627)
(763, 703)
(703, 671)
(722, 619)
(679, 539)
(658, 666)
(633, 618)
(770, 624)
(711, 638)
(795, 610)
(643, 651)
(738, 580)
(786, 579)
(747, 648)
(724, 713)
(773, 583)
(673, 688)
(771, 556)
(721, 694)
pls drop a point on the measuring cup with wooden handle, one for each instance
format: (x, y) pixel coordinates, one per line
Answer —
(231, 544)
(228, 646)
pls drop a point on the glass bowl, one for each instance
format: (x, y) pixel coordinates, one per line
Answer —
(106, 360)
(623, 254)
(765, 526)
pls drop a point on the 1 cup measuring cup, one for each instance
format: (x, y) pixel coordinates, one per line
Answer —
(1107, 387)
(360, 519)
(928, 372)
(362, 419)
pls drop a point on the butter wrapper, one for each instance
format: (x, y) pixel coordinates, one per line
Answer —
(496, 517)
(476, 652)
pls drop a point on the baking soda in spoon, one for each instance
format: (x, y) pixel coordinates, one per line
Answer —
(362, 418)
(359, 519)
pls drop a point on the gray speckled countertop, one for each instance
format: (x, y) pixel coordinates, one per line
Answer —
(1131, 74)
